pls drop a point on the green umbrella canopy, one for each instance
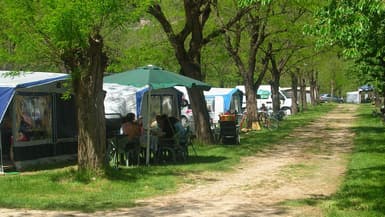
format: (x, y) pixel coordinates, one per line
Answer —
(155, 77)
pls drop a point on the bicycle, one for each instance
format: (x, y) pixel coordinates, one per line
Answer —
(112, 156)
(117, 152)
(268, 120)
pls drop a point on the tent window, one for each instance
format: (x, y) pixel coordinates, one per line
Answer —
(33, 117)
(210, 103)
(162, 104)
(236, 105)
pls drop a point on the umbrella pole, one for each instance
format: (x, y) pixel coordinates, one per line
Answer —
(1, 156)
(148, 128)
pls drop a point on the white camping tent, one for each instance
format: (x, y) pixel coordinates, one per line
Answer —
(121, 99)
(353, 97)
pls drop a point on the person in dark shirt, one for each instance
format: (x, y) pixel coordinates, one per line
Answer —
(167, 127)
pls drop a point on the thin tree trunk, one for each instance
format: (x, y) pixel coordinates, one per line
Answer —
(303, 94)
(276, 75)
(251, 101)
(294, 87)
(313, 85)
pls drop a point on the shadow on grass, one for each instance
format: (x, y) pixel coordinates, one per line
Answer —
(368, 129)
(119, 187)
(312, 200)
(133, 173)
(195, 159)
(363, 190)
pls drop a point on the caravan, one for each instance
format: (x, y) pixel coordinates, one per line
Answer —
(264, 97)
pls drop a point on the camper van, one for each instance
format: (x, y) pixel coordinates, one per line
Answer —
(264, 97)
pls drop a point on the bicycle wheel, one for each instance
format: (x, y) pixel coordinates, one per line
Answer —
(261, 119)
(112, 155)
(272, 123)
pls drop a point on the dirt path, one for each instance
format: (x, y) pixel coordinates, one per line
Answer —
(308, 165)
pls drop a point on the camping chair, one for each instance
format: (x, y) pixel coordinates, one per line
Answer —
(173, 148)
(186, 140)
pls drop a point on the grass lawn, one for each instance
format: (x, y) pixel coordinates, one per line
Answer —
(66, 189)
(363, 190)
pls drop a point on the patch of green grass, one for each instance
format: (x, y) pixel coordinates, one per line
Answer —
(363, 190)
(68, 189)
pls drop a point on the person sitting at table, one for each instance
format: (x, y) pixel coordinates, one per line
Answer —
(180, 131)
(140, 125)
(131, 128)
(166, 126)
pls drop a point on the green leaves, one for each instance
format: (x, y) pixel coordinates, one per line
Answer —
(358, 27)
(244, 3)
(43, 30)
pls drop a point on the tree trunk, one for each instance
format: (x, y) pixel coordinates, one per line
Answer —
(276, 76)
(313, 85)
(90, 108)
(189, 57)
(251, 101)
(303, 95)
(294, 87)
(200, 115)
(197, 101)
(275, 96)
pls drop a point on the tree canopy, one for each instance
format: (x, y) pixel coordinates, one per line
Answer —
(358, 28)
(70, 36)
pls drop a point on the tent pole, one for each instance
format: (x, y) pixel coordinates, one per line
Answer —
(148, 128)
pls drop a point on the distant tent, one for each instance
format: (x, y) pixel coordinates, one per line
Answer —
(353, 97)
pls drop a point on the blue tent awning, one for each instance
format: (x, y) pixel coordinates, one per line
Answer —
(6, 94)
